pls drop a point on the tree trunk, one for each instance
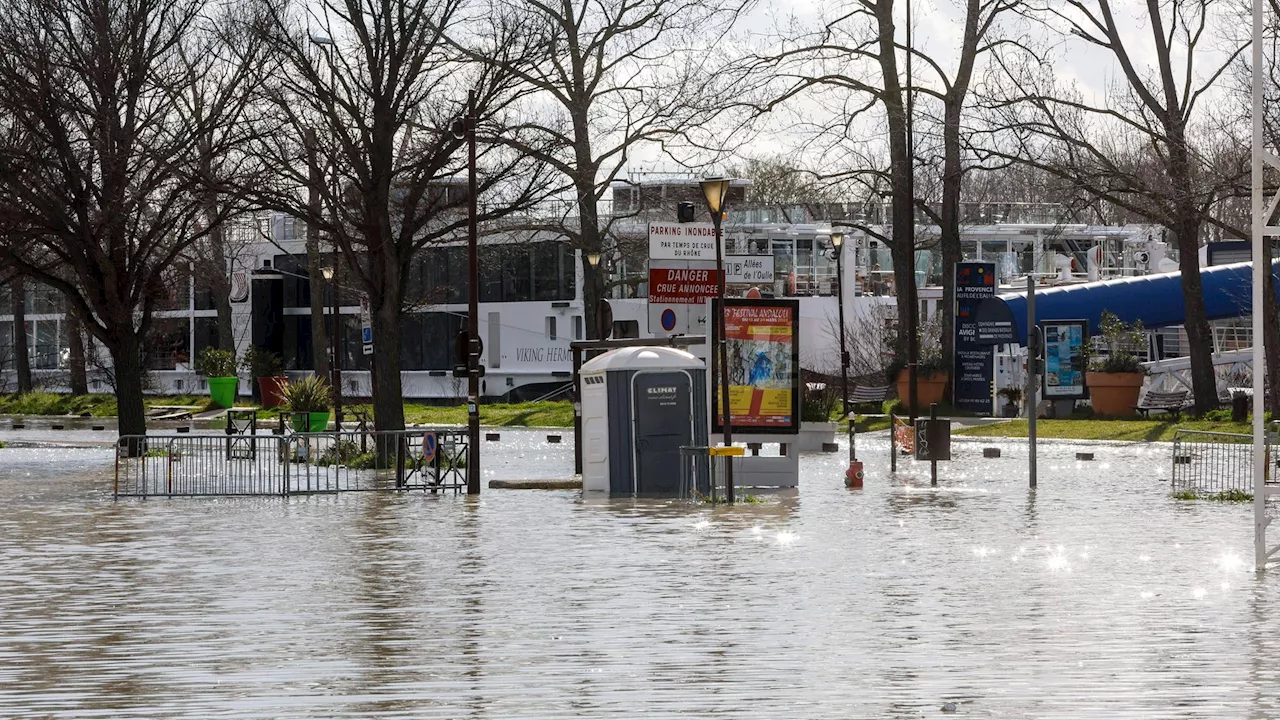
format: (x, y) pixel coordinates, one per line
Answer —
(592, 277)
(21, 349)
(319, 336)
(75, 340)
(1199, 337)
(126, 357)
(221, 283)
(902, 247)
(1271, 333)
(952, 174)
(388, 397)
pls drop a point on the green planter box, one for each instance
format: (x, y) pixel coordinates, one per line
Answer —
(311, 422)
(223, 391)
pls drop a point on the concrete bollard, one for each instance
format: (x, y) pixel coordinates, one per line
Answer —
(184, 428)
(86, 414)
(18, 426)
(553, 439)
(1084, 456)
(990, 452)
(1181, 459)
(492, 437)
(55, 427)
(830, 447)
(99, 427)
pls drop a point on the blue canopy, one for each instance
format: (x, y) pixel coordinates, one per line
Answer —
(1156, 300)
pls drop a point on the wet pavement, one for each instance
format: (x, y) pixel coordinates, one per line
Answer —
(1097, 595)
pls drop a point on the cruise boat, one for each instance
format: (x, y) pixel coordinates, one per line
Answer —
(531, 299)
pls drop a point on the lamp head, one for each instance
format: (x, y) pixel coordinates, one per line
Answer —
(716, 191)
(837, 240)
(327, 272)
(593, 258)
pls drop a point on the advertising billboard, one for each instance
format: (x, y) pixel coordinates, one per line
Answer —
(974, 364)
(764, 365)
(1065, 359)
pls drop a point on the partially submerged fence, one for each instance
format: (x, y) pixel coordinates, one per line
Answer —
(1214, 462)
(290, 463)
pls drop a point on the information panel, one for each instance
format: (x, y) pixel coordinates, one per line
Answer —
(1065, 359)
(974, 368)
(764, 365)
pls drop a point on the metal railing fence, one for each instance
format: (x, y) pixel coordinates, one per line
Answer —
(290, 463)
(1214, 462)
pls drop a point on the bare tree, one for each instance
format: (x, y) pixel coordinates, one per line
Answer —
(1142, 149)
(102, 183)
(615, 76)
(849, 65)
(378, 84)
(21, 348)
(976, 39)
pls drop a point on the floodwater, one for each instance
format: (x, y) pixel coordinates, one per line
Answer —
(1095, 596)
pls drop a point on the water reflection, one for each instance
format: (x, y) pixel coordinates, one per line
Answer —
(1094, 595)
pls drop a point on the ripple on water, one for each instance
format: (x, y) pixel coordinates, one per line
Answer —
(1096, 595)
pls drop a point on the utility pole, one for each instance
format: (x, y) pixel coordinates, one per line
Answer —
(473, 307)
(1033, 384)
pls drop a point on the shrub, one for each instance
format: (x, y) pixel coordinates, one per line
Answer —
(213, 362)
(1119, 337)
(260, 363)
(308, 394)
(817, 402)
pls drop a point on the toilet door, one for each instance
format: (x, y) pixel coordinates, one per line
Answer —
(662, 406)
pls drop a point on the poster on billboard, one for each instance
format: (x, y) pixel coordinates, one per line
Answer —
(1065, 359)
(764, 365)
(974, 364)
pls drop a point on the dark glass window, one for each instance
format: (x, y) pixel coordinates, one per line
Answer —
(206, 333)
(297, 285)
(297, 343)
(427, 340)
(167, 344)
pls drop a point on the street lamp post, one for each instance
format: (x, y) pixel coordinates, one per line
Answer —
(335, 348)
(716, 190)
(853, 476)
(466, 128)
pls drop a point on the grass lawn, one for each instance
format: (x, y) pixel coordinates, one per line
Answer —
(545, 414)
(1093, 429)
(98, 405)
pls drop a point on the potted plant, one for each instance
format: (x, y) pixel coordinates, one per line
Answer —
(219, 369)
(309, 398)
(267, 368)
(932, 370)
(817, 401)
(1115, 381)
(1012, 398)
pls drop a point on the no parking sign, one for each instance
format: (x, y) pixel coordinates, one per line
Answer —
(429, 445)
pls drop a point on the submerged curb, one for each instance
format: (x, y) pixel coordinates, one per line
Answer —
(535, 484)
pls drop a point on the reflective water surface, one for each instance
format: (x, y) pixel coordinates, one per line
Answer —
(1095, 596)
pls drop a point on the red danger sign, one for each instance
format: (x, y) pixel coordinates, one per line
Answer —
(682, 286)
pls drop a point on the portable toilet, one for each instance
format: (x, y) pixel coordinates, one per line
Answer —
(640, 405)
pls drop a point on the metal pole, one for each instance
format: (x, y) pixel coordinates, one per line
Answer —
(1261, 274)
(335, 346)
(473, 309)
(913, 321)
(1032, 366)
(933, 464)
(844, 356)
(893, 442)
(717, 217)
(577, 411)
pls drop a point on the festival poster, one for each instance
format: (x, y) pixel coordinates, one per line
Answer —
(764, 376)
